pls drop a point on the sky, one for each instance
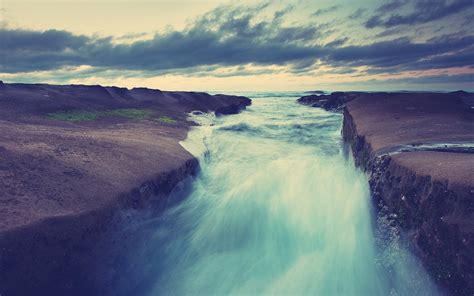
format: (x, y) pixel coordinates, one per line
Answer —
(217, 45)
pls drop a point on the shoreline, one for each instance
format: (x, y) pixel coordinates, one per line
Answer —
(62, 247)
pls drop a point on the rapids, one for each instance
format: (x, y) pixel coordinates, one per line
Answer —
(278, 208)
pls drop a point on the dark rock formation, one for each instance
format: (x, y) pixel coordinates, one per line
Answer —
(65, 184)
(316, 92)
(429, 194)
(334, 102)
(59, 255)
(232, 108)
(467, 97)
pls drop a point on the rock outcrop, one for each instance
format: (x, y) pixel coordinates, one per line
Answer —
(334, 102)
(428, 191)
(418, 151)
(71, 159)
(231, 108)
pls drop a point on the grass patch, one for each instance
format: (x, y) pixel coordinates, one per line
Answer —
(130, 113)
(73, 116)
(165, 119)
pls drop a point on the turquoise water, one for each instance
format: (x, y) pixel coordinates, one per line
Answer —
(277, 209)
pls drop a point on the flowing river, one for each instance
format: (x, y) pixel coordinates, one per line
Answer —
(278, 209)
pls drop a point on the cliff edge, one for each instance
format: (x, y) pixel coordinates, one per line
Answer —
(71, 157)
(418, 150)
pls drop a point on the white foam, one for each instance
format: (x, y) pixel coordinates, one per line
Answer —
(195, 141)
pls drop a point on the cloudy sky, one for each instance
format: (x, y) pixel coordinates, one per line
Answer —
(240, 45)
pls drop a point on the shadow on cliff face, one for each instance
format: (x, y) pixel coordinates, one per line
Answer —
(84, 255)
(417, 152)
(125, 262)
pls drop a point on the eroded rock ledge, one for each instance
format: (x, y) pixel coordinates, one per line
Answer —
(71, 158)
(430, 194)
(428, 186)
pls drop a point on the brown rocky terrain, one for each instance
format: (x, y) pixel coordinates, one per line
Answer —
(417, 149)
(71, 157)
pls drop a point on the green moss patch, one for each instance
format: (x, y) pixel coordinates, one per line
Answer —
(130, 113)
(165, 119)
(74, 116)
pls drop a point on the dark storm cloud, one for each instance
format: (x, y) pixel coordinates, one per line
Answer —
(337, 42)
(23, 50)
(322, 11)
(358, 13)
(402, 54)
(403, 12)
(224, 36)
(389, 32)
(50, 40)
(435, 79)
(459, 59)
(228, 37)
(391, 6)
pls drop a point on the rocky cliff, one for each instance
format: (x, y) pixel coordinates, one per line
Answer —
(425, 187)
(417, 150)
(73, 159)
